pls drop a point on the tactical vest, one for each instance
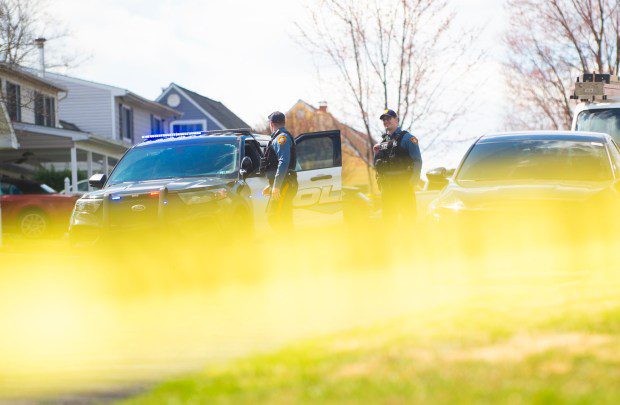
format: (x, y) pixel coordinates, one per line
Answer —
(269, 162)
(393, 160)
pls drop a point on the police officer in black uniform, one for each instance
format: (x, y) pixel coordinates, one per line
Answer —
(279, 165)
(398, 163)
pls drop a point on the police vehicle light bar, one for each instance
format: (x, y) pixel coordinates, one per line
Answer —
(596, 87)
(241, 131)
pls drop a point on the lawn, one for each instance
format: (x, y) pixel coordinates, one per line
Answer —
(541, 350)
(360, 318)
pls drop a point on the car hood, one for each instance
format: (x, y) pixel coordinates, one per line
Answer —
(173, 185)
(500, 196)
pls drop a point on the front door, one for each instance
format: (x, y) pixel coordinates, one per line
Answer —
(319, 174)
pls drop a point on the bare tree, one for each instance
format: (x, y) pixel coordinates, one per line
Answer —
(21, 22)
(407, 55)
(550, 43)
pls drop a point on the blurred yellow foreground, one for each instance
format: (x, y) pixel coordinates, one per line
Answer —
(139, 310)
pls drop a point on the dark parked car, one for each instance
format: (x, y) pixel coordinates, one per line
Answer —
(33, 209)
(554, 172)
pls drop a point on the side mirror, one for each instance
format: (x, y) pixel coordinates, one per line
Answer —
(97, 180)
(438, 178)
(246, 167)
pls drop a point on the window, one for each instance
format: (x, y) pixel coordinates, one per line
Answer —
(190, 159)
(44, 110)
(252, 150)
(605, 120)
(188, 126)
(9, 189)
(546, 159)
(125, 122)
(19, 187)
(315, 153)
(13, 101)
(157, 125)
(50, 112)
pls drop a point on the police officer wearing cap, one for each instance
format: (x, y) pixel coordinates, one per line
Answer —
(398, 162)
(279, 165)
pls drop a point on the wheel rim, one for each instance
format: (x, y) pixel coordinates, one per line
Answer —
(33, 225)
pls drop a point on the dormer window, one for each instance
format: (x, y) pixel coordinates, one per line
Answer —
(44, 110)
(13, 101)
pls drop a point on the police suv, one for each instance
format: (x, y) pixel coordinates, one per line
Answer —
(206, 182)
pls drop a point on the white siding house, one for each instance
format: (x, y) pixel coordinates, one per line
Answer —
(88, 106)
(111, 112)
(35, 128)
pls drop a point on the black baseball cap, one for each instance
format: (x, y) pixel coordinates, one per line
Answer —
(388, 113)
(276, 117)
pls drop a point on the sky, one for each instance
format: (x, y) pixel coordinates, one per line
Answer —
(243, 53)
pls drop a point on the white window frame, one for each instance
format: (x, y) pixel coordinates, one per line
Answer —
(188, 122)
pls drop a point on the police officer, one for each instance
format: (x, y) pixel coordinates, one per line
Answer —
(279, 164)
(398, 162)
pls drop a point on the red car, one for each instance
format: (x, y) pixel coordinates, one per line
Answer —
(33, 209)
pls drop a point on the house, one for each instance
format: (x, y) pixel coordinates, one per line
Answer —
(200, 113)
(357, 167)
(32, 133)
(111, 112)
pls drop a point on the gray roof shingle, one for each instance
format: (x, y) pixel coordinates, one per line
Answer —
(218, 110)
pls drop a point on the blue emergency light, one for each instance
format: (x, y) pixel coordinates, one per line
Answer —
(241, 131)
(172, 135)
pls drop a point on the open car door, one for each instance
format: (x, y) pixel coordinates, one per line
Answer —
(319, 174)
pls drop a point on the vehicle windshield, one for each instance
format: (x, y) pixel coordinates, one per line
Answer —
(536, 160)
(606, 121)
(169, 161)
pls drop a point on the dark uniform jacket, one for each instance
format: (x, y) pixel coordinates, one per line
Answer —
(399, 157)
(280, 158)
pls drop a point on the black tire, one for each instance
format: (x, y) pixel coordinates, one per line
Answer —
(33, 224)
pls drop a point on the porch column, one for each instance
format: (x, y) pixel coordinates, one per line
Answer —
(89, 166)
(106, 167)
(74, 169)
(89, 163)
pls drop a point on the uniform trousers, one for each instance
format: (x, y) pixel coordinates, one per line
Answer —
(398, 202)
(280, 211)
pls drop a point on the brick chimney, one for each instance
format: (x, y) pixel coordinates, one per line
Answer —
(323, 106)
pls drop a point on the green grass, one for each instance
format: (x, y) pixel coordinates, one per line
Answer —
(467, 355)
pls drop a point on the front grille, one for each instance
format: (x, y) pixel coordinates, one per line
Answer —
(133, 212)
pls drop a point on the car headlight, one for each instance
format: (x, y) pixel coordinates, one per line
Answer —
(87, 205)
(203, 196)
